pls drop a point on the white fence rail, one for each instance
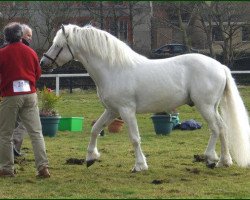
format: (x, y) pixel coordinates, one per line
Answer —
(240, 72)
(58, 76)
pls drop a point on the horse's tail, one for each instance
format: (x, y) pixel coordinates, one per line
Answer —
(235, 116)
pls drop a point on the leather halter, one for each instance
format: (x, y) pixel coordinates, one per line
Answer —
(54, 59)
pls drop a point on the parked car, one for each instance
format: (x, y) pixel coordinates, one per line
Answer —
(240, 64)
(170, 50)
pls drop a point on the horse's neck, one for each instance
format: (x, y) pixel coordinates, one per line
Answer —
(98, 69)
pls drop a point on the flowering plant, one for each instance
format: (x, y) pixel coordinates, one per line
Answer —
(49, 101)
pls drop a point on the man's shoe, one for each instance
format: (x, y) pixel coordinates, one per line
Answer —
(5, 173)
(43, 173)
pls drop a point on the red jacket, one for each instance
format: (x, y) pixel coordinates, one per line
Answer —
(18, 62)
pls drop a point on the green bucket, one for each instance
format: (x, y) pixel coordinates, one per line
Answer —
(71, 124)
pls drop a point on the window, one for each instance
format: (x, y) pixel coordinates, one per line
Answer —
(119, 29)
(174, 18)
(123, 30)
(216, 33)
(113, 28)
(165, 49)
(179, 49)
(246, 33)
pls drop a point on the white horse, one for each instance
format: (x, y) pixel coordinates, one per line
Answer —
(129, 83)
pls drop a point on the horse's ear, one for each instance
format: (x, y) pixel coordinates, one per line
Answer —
(64, 33)
(63, 29)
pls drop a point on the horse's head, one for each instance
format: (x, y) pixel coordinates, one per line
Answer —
(59, 53)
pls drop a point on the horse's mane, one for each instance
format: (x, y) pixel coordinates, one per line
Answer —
(102, 44)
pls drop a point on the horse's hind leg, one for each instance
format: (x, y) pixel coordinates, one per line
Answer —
(103, 121)
(217, 126)
(128, 115)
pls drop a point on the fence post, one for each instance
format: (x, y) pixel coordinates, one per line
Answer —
(70, 85)
(57, 85)
(57, 76)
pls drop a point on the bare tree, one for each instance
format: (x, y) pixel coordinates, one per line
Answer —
(224, 20)
(219, 25)
(108, 15)
(9, 10)
(12, 11)
(137, 12)
(175, 16)
(46, 17)
(204, 15)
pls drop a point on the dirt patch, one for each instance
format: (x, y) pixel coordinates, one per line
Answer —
(236, 174)
(193, 170)
(202, 158)
(199, 158)
(75, 161)
(157, 182)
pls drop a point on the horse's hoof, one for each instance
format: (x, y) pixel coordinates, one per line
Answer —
(211, 165)
(90, 162)
(225, 163)
(140, 168)
(134, 170)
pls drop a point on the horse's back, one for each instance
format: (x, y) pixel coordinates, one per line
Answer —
(183, 69)
(195, 60)
(193, 65)
(179, 80)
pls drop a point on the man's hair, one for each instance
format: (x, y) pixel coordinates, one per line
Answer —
(13, 32)
(25, 28)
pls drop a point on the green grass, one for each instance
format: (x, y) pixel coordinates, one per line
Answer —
(170, 160)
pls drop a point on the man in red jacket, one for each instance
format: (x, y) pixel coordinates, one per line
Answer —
(19, 70)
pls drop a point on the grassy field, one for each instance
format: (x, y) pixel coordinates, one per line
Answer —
(172, 172)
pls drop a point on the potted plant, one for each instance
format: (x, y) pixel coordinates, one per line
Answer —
(116, 125)
(48, 115)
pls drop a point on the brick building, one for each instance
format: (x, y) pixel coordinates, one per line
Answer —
(143, 25)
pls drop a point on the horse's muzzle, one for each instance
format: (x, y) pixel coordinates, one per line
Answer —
(46, 67)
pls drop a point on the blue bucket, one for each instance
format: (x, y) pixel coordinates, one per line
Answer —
(163, 124)
(50, 125)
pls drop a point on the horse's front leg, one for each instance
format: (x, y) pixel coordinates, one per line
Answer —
(129, 117)
(105, 119)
